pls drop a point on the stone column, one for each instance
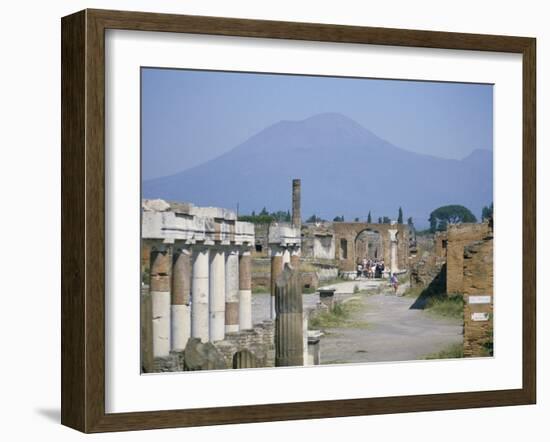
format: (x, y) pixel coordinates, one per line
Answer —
(393, 250)
(217, 295)
(245, 293)
(181, 299)
(276, 270)
(305, 323)
(296, 210)
(295, 258)
(160, 298)
(286, 256)
(199, 295)
(232, 291)
(289, 339)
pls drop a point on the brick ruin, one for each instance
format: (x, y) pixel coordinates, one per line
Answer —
(461, 263)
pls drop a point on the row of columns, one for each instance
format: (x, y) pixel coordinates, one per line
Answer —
(203, 293)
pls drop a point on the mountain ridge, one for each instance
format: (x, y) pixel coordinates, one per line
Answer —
(345, 169)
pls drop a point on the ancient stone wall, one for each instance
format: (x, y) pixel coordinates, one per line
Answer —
(458, 236)
(261, 246)
(258, 342)
(318, 241)
(440, 244)
(427, 269)
(478, 298)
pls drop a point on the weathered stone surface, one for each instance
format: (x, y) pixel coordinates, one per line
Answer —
(296, 203)
(459, 236)
(202, 356)
(157, 205)
(478, 280)
(289, 339)
(259, 341)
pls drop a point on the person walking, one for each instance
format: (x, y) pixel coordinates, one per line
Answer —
(394, 283)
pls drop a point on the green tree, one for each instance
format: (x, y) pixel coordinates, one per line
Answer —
(369, 218)
(487, 212)
(400, 216)
(313, 219)
(452, 214)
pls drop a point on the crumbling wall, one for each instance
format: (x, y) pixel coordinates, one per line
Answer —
(427, 269)
(259, 342)
(459, 236)
(478, 298)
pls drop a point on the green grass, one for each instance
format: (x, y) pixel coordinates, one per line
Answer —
(449, 306)
(454, 351)
(260, 289)
(413, 292)
(341, 316)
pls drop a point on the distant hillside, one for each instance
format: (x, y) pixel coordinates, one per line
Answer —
(345, 170)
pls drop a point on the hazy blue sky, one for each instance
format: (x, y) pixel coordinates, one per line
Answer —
(189, 117)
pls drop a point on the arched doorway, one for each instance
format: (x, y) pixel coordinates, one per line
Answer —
(244, 359)
(368, 244)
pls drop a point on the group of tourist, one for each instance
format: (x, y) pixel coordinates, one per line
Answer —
(370, 268)
(374, 268)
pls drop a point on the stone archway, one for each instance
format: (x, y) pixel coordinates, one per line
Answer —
(244, 359)
(369, 244)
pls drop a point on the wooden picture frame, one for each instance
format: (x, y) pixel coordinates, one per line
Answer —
(83, 220)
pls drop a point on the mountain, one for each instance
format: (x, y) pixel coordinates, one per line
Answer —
(345, 170)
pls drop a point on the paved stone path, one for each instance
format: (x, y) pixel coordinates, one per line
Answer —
(394, 332)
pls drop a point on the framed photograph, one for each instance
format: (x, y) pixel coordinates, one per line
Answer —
(266, 220)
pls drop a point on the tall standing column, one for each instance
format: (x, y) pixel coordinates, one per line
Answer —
(245, 293)
(217, 295)
(276, 270)
(181, 299)
(160, 298)
(232, 291)
(199, 295)
(296, 210)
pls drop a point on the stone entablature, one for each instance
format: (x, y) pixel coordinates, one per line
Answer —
(185, 222)
(284, 235)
